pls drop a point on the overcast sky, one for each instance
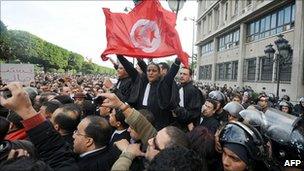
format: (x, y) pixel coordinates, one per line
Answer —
(79, 26)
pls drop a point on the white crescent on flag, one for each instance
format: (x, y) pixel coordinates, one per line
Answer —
(145, 35)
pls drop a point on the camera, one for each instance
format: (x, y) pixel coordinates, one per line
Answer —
(5, 148)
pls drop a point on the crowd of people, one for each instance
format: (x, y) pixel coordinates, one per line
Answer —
(149, 117)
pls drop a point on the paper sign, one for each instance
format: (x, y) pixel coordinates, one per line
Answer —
(23, 73)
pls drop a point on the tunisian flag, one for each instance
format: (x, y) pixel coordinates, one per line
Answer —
(147, 31)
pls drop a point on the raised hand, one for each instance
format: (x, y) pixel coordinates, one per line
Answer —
(19, 102)
(111, 100)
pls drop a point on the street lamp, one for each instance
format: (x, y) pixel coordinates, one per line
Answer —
(283, 55)
(176, 5)
(193, 31)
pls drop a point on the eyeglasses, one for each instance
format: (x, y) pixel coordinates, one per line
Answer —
(77, 133)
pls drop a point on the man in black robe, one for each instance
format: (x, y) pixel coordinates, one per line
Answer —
(150, 97)
(191, 100)
(147, 92)
(127, 87)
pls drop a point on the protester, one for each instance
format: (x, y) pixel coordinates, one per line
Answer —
(191, 100)
(117, 121)
(220, 99)
(79, 135)
(208, 116)
(299, 108)
(242, 148)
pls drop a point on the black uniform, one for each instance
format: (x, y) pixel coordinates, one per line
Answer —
(190, 110)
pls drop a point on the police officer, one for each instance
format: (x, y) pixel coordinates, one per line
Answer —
(243, 147)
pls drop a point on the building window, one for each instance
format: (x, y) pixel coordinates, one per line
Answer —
(274, 23)
(285, 70)
(208, 47)
(229, 40)
(266, 69)
(293, 13)
(220, 72)
(227, 71)
(251, 67)
(205, 72)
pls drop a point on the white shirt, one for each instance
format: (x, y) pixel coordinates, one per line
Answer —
(181, 97)
(89, 152)
(201, 120)
(118, 85)
(146, 95)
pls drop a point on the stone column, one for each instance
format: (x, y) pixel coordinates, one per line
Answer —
(298, 54)
(242, 52)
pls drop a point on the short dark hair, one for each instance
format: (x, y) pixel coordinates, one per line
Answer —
(152, 63)
(66, 122)
(51, 106)
(177, 137)
(190, 70)
(68, 118)
(175, 159)
(120, 117)
(164, 65)
(237, 95)
(98, 129)
(202, 141)
(213, 102)
(64, 99)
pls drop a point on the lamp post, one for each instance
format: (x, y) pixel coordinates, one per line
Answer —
(283, 55)
(193, 31)
(176, 5)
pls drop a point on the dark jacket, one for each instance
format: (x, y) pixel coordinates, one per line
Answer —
(162, 113)
(124, 135)
(211, 123)
(68, 138)
(52, 148)
(193, 101)
(99, 160)
(129, 85)
(298, 110)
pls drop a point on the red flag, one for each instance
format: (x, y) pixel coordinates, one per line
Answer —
(147, 31)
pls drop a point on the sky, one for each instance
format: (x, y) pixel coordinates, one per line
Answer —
(79, 26)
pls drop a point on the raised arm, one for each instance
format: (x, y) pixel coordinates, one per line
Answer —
(114, 63)
(51, 147)
(169, 77)
(128, 67)
(142, 65)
